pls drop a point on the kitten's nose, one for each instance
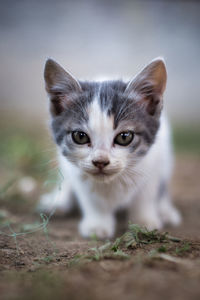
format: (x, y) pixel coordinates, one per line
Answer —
(100, 163)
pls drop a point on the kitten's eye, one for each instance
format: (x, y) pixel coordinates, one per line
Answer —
(80, 137)
(124, 138)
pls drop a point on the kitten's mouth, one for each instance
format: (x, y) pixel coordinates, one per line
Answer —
(101, 174)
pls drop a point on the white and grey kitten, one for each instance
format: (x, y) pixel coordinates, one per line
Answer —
(114, 148)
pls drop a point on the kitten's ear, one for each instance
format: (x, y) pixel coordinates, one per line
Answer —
(149, 85)
(60, 86)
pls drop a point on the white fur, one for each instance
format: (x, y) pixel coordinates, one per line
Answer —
(131, 183)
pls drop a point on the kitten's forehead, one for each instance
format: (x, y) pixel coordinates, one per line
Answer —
(107, 93)
(100, 124)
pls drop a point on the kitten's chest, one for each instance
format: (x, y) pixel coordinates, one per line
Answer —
(112, 196)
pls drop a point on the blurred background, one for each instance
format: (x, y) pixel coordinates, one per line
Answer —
(91, 39)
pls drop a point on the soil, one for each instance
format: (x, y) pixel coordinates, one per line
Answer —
(42, 267)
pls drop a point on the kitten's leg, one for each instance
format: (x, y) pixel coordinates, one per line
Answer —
(144, 210)
(60, 200)
(168, 213)
(96, 219)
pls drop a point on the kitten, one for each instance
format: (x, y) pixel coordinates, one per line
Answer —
(114, 148)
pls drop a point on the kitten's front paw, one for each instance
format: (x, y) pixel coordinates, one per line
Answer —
(101, 227)
(151, 222)
(171, 216)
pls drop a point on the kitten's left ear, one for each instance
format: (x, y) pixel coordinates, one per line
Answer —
(60, 86)
(149, 85)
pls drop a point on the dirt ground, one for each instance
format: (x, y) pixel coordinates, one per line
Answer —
(47, 267)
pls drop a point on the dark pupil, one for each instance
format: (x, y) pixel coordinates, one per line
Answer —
(124, 135)
(81, 135)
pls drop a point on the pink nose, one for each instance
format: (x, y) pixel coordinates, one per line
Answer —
(100, 164)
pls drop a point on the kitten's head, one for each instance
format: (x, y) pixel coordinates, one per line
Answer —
(105, 128)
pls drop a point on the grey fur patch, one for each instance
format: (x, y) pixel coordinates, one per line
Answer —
(110, 95)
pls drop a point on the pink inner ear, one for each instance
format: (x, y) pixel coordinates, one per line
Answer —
(153, 104)
(150, 99)
(65, 101)
(59, 103)
(147, 93)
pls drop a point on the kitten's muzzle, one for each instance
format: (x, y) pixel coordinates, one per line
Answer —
(100, 164)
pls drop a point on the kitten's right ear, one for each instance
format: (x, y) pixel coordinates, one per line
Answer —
(60, 86)
(148, 86)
